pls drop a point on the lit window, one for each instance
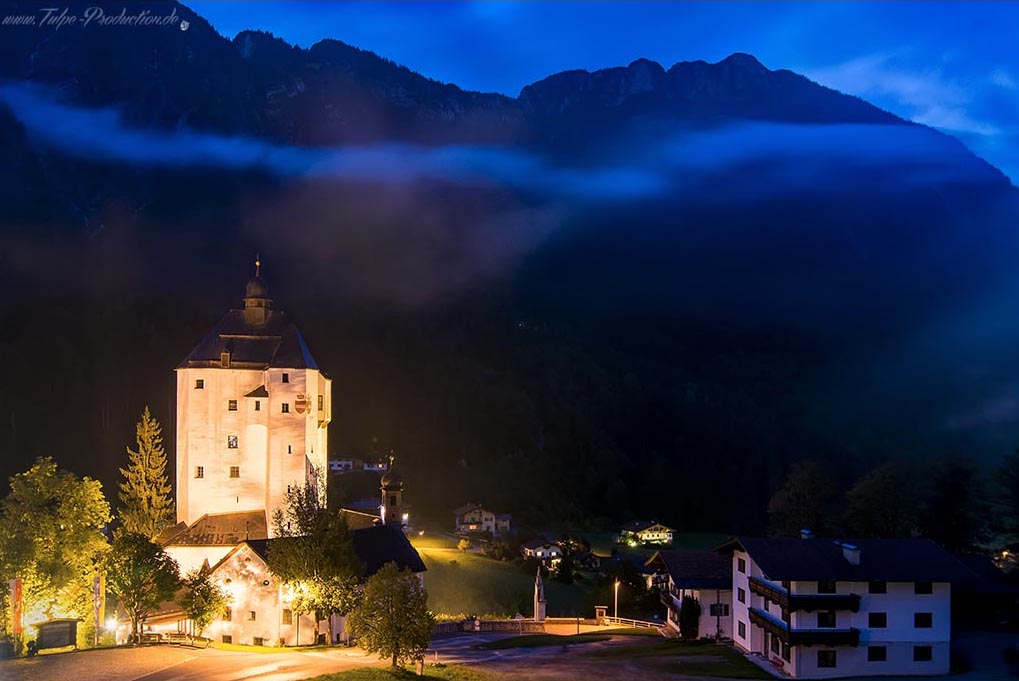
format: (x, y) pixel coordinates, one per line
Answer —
(285, 409)
(199, 471)
(231, 405)
(235, 471)
(231, 441)
(199, 384)
(826, 659)
(321, 402)
(285, 378)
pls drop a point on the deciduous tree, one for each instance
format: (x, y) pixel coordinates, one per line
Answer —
(954, 512)
(141, 574)
(804, 501)
(392, 619)
(314, 554)
(51, 536)
(882, 503)
(147, 506)
(202, 599)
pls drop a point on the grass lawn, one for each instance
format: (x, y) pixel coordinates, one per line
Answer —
(471, 584)
(451, 673)
(539, 640)
(708, 659)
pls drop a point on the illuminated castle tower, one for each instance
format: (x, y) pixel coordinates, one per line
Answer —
(252, 413)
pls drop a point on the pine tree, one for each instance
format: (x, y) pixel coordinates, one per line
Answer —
(145, 491)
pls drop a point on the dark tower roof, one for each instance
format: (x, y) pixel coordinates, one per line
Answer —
(257, 337)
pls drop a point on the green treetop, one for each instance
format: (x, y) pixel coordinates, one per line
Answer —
(145, 491)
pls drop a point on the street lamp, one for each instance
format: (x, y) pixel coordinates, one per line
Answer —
(616, 615)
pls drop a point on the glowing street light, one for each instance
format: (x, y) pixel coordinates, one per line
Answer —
(616, 615)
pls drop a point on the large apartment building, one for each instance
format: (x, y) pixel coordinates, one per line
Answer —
(816, 608)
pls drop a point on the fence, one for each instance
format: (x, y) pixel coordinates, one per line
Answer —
(501, 626)
(624, 622)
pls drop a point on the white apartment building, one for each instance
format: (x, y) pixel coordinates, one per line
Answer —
(821, 609)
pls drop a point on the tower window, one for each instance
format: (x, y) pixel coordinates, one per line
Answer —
(251, 615)
(231, 441)
(392, 500)
(235, 471)
(321, 402)
(285, 408)
(258, 405)
(224, 360)
(231, 405)
(285, 378)
(199, 384)
(290, 449)
(228, 614)
(199, 471)
(288, 616)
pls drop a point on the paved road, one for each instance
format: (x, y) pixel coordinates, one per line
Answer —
(177, 663)
(218, 665)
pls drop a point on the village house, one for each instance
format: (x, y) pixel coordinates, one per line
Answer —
(472, 518)
(259, 611)
(645, 532)
(818, 608)
(704, 576)
(347, 465)
(548, 553)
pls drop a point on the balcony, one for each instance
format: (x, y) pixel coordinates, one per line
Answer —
(804, 637)
(669, 600)
(803, 603)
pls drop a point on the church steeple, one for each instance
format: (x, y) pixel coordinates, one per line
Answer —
(256, 298)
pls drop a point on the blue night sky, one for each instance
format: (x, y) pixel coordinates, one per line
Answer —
(954, 66)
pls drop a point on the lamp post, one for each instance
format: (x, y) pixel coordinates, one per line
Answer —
(616, 609)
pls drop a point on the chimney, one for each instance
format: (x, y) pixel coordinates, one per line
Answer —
(851, 553)
(806, 534)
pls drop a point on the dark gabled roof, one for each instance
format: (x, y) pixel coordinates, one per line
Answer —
(169, 533)
(890, 560)
(357, 520)
(382, 544)
(277, 343)
(260, 391)
(536, 543)
(695, 569)
(375, 546)
(466, 508)
(222, 529)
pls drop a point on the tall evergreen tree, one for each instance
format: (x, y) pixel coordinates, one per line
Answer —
(145, 491)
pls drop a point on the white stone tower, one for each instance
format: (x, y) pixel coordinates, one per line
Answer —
(252, 413)
(539, 598)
